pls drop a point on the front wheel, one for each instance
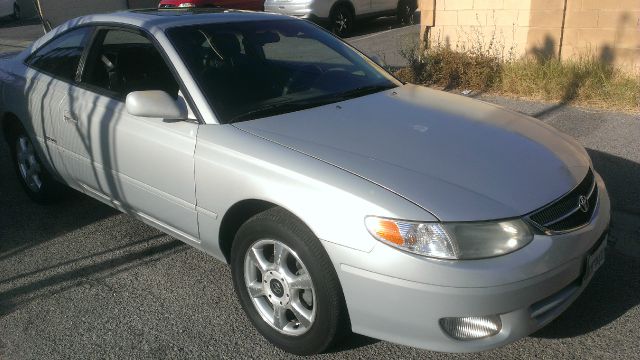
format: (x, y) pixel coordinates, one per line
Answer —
(286, 283)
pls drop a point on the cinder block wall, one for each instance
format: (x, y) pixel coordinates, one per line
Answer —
(542, 28)
(608, 29)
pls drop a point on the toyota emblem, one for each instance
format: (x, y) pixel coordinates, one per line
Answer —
(583, 203)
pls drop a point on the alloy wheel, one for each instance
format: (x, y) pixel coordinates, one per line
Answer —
(341, 22)
(28, 165)
(280, 287)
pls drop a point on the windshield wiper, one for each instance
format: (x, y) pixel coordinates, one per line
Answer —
(362, 90)
(277, 108)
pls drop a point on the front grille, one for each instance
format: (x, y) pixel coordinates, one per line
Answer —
(166, 6)
(566, 214)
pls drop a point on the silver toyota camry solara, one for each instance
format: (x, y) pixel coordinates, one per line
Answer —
(343, 199)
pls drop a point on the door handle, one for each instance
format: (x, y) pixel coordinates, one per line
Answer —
(68, 118)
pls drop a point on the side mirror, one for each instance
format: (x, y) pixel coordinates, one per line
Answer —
(155, 104)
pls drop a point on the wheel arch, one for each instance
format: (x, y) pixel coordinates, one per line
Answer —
(9, 123)
(233, 219)
(238, 214)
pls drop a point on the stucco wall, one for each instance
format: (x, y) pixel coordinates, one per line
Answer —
(565, 28)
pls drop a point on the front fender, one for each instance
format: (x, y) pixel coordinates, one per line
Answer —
(232, 165)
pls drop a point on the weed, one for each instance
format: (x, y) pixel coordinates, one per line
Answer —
(584, 81)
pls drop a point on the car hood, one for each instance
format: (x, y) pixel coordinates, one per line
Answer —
(459, 158)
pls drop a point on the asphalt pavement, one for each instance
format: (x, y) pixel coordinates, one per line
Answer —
(79, 280)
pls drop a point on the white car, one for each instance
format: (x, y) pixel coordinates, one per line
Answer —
(10, 8)
(342, 198)
(341, 15)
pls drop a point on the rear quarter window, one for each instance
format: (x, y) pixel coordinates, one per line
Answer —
(61, 56)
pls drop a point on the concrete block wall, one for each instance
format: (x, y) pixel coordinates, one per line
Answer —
(608, 29)
(492, 25)
(541, 28)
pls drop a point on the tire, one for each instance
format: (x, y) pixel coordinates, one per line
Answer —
(16, 12)
(406, 12)
(32, 174)
(312, 286)
(342, 20)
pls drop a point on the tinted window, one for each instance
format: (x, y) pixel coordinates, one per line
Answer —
(123, 61)
(254, 69)
(61, 56)
(307, 50)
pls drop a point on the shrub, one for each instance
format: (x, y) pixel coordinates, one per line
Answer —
(584, 81)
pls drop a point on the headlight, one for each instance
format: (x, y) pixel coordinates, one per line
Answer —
(187, 5)
(472, 240)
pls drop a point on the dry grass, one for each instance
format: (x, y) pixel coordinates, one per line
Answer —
(585, 81)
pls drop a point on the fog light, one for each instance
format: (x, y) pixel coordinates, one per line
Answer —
(471, 328)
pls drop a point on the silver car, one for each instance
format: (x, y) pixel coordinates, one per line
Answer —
(343, 199)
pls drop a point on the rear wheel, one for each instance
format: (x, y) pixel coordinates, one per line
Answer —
(342, 20)
(286, 284)
(32, 174)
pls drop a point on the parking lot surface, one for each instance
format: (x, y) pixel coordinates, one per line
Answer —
(80, 280)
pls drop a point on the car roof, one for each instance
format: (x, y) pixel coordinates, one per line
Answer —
(165, 18)
(158, 19)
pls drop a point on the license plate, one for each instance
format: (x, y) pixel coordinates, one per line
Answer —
(595, 260)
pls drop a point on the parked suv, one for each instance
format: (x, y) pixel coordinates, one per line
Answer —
(340, 15)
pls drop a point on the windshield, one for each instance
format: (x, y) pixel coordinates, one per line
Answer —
(249, 70)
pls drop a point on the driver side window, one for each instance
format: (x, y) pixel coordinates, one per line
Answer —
(123, 61)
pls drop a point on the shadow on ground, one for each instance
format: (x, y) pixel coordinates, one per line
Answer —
(25, 225)
(615, 289)
(370, 26)
(9, 22)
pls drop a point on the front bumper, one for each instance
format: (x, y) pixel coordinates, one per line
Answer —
(400, 297)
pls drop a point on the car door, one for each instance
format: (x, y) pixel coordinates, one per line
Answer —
(362, 6)
(384, 5)
(51, 73)
(142, 165)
